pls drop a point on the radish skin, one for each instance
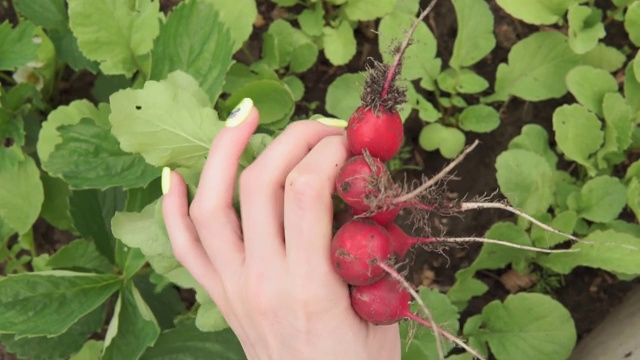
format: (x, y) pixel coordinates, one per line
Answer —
(380, 132)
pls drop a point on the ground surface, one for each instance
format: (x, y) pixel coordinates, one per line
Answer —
(588, 294)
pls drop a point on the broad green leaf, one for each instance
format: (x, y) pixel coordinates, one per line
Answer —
(209, 317)
(632, 86)
(409, 7)
(129, 259)
(17, 46)
(285, 45)
(343, 95)
(59, 347)
(56, 298)
(90, 157)
(50, 14)
(21, 195)
(169, 122)
(604, 57)
(165, 303)
(585, 28)
(311, 20)
(285, 2)
(565, 222)
(429, 71)
(271, 97)
(418, 342)
(339, 43)
(608, 250)
(138, 198)
(526, 326)
(55, 208)
(115, 32)
(462, 81)
(418, 59)
(618, 130)
(633, 171)
(602, 199)
(66, 115)
(104, 86)
(67, 51)
(187, 342)
(536, 69)
(526, 179)
(295, 85)
(238, 16)
(633, 196)
(195, 41)
(80, 255)
(479, 118)
(450, 141)
(474, 38)
(92, 211)
(632, 22)
(578, 134)
(132, 329)
(537, 12)
(534, 137)
(362, 10)
(589, 86)
(91, 350)
(426, 110)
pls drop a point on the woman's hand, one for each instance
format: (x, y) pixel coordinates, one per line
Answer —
(270, 273)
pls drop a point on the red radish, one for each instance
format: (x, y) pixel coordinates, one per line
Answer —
(381, 132)
(356, 182)
(382, 303)
(382, 217)
(401, 242)
(357, 249)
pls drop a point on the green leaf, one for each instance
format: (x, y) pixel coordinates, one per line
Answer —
(362, 10)
(21, 195)
(186, 342)
(115, 32)
(169, 122)
(602, 199)
(585, 28)
(66, 115)
(194, 41)
(633, 196)
(272, 98)
(80, 255)
(578, 134)
(17, 46)
(536, 69)
(129, 260)
(526, 179)
(209, 317)
(421, 344)
(534, 138)
(474, 38)
(450, 141)
(238, 16)
(295, 85)
(419, 57)
(92, 211)
(632, 22)
(479, 118)
(589, 86)
(59, 347)
(50, 14)
(90, 157)
(632, 86)
(56, 298)
(604, 57)
(91, 350)
(608, 250)
(565, 221)
(311, 20)
(526, 326)
(165, 303)
(339, 43)
(343, 95)
(285, 45)
(537, 12)
(55, 208)
(104, 86)
(618, 130)
(461, 81)
(132, 328)
(67, 51)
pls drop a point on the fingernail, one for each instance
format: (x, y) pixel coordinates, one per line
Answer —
(166, 180)
(333, 122)
(240, 113)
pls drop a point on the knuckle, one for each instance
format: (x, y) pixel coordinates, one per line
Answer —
(305, 186)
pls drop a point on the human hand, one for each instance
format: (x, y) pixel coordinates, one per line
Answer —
(270, 273)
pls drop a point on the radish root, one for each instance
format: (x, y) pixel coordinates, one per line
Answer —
(504, 243)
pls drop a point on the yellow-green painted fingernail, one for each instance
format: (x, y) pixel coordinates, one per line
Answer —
(240, 113)
(166, 180)
(333, 122)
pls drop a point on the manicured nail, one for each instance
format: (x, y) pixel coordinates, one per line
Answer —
(240, 113)
(166, 180)
(333, 122)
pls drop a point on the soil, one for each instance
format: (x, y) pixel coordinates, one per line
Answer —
(588, 294)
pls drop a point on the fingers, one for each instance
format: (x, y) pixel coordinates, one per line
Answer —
(212, 208)
(184, 240)
(262, 189)
(309, 206)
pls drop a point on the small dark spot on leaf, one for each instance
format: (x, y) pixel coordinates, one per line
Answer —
(138, 107)
(8, 142)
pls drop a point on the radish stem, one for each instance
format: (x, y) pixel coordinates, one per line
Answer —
(492, 241)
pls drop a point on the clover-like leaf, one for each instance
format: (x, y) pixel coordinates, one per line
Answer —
(339, 43)
(578, 133)
(479, 118)
(589, 86)
(474, 38)
(585, 28)
(450, 141)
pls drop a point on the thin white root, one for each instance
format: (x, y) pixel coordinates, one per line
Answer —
(505, 243)
(391, 271)
(474, 206)
(437, 177)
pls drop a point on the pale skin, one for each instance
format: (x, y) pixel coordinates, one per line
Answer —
(270, 273)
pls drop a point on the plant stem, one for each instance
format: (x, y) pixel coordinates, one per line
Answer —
(499, 242)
